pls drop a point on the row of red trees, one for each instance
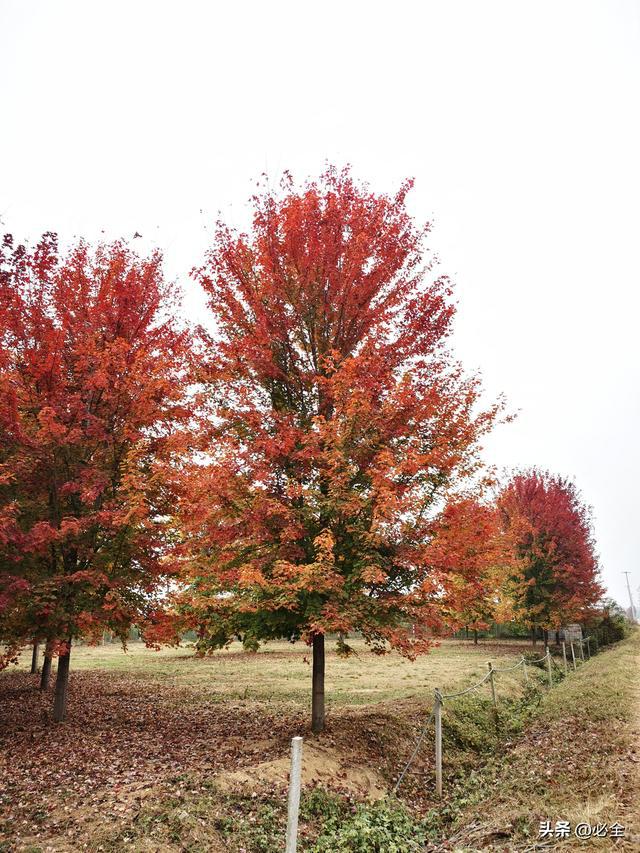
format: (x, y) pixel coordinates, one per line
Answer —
(311, 467)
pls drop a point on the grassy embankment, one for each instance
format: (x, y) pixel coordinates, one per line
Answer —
(578, 761)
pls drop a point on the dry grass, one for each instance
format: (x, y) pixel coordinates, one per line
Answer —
(281, 672)
(578, 762)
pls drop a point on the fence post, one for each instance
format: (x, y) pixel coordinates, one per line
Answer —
(493, 686)
(573, 656)
(294, 795)
(589, 647)
(437, 716)
(549, 667)
(564, 656)
(524, 668)
(582, 650)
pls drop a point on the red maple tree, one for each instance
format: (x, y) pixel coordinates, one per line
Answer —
(468, 545)
(551, 532)
(338, 421)
(92, 379)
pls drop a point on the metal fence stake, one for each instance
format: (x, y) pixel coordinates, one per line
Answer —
(549, 667)
(564, 656)
(294, 794)
(573, 656)
(437, 715)
(493, 686)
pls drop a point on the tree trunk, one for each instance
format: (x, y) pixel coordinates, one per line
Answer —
(533, 635)
(475, 636)
(317, 693)
(46, 668)
(34, 658)
(466, 631)
(62, 684)
(557, 638)
(545, 636)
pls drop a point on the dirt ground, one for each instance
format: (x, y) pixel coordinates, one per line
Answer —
(147, 725)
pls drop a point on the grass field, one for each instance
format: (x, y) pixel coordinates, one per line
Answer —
(167, 752)
(281, 672)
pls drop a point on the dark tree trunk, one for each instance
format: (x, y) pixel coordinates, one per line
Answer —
(475, 636)
(46, 668)
(62, 685)
(34, 658)
(557, 638)
(545, 636)
(317, 692)
(466, 631)
(533, 635)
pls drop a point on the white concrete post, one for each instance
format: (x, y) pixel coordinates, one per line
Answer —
(573, 656)
(437, 716)
(294, 794)
(589, 647)
(582, 650)
(564, 656)
(549, 667)
(493, 685)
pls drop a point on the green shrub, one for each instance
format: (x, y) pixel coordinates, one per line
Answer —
(323, 805)
(610, 625)
(536, 658)
(469, 724)
(382, 827)
(611, 629)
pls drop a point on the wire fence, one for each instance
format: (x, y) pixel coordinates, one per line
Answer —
(524, 663)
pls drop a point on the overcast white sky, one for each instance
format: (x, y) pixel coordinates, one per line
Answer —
(520, 122)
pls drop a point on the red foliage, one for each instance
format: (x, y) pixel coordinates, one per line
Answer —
(338, 420)
(468, 545)
(91, 397)
(550, 529)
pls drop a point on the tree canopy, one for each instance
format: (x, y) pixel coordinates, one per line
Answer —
(551, 532)
(92, 393)
(339, 421)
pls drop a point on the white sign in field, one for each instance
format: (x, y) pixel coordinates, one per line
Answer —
(571, 633)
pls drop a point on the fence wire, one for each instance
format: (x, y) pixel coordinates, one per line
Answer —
(468, 690)
(441, 696)
(510, 668)
(415, 751)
